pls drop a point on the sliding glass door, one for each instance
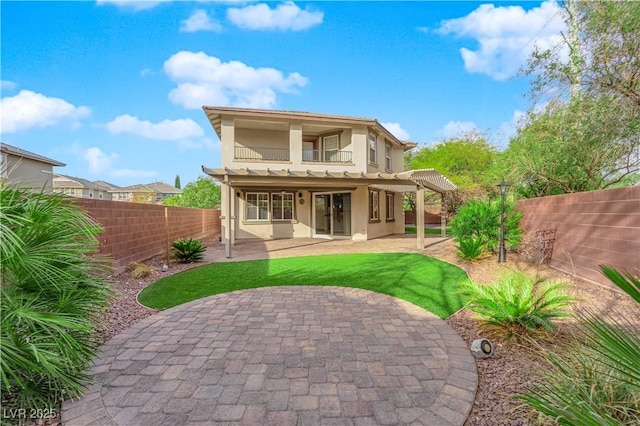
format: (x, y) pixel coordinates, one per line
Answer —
(332, 214)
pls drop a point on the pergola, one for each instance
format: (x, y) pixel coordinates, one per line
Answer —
(410, 181)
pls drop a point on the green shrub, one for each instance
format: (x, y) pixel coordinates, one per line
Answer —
(51, 296)
(598, 381)
(517, 303)
(470, 248)
(187, 251)
(480, 220)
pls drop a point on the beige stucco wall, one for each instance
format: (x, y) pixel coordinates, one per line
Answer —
(28, 172)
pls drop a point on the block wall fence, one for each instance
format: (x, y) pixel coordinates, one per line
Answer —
(136, 232)
(429, 218)
(591, 229)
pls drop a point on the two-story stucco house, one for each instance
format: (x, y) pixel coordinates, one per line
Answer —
(302, 175)
(27, 168)
(80, 188)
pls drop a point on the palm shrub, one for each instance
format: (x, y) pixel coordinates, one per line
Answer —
(517, 303)
(598, 381)
(470, 248)
(188, 250)
(480, 220)
(52, 292)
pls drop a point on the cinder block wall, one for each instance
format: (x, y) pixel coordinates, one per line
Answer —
(429, 218)
(592, 229)
(136, 232)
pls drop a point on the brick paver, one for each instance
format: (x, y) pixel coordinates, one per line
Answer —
(283, 355)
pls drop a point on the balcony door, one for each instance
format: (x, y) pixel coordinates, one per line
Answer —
(332, 215)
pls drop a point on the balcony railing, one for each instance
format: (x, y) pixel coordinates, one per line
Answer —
(261, 153)
(320, 156)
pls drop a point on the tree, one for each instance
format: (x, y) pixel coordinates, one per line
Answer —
(574, 147)
(467, 160)
(177, 182)
(203, 193)
(604, 52)
(591, 139)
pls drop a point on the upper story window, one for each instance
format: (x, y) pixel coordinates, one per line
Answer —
(373, 144)
(72, 191)
(387, 156)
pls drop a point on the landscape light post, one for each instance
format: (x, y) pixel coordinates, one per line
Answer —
(503, 187)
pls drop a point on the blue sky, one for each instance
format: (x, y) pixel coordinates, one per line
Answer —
(114, 89)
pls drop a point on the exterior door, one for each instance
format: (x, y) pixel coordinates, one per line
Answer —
(332, 215)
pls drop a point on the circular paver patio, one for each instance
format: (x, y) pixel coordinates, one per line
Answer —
(283, 356)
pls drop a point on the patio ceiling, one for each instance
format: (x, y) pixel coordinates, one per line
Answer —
(395, 182)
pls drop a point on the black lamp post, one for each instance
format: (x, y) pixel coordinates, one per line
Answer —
(503, 187)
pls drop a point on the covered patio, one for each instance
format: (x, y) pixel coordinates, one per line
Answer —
(410, 181)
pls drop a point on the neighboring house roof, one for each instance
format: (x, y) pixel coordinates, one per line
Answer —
(215, 117)
(107, 184)
(156, 187)
(5, 148)
(76, 182)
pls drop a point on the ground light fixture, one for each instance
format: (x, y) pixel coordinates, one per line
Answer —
(503, 187)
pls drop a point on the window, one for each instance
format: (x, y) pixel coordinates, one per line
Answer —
(90, 194)
(331, 146)
(72, 191)
(257, 206)
(373, 142)
(281, 206)
(387, 156)
(100, 195)
(390, 203)
(122, 196)
(373, 206)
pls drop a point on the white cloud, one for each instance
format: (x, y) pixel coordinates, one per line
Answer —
(7, 85)
(145, 72)
(206, 80)
(99, 162)
(167, 130)
(457, 128)
(396, 130)
(199, 21)
(506, 36)
(102, 164)
(286, 16)
(133, 5)
(28, 109)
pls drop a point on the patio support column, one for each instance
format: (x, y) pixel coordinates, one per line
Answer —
(420, 217)
(443, 217)
(227, 200)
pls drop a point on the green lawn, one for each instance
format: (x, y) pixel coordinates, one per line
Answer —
(423, 281)
(427, 231)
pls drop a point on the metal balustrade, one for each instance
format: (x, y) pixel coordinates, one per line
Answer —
(321, 156)
(283, 154)
(261, 153)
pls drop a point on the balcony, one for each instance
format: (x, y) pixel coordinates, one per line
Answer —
(321, 156)
(261, 153)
